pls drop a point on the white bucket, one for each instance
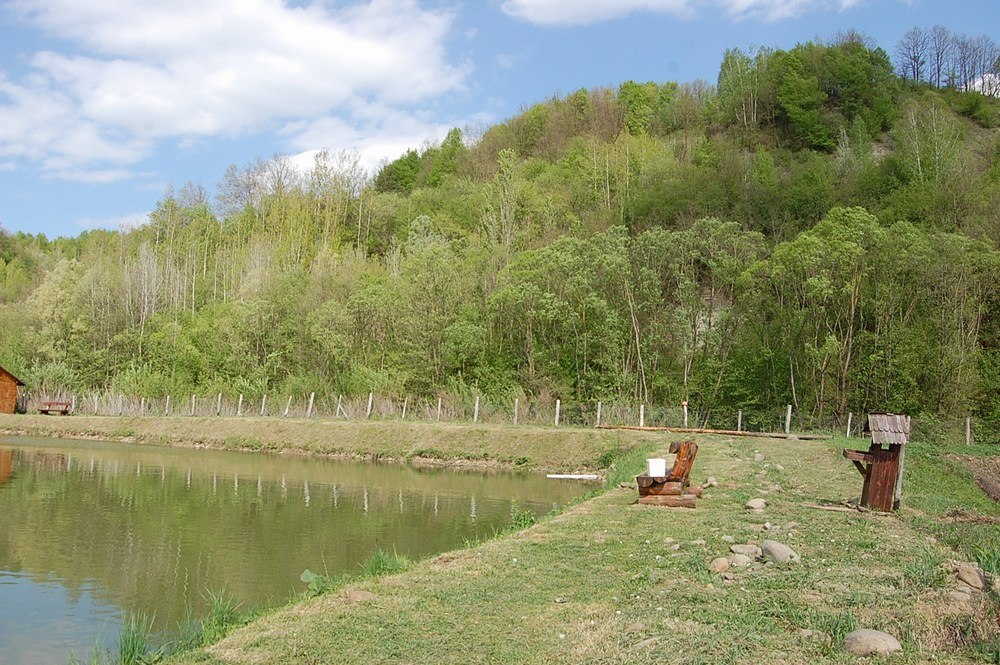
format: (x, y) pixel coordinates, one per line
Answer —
(656, 468)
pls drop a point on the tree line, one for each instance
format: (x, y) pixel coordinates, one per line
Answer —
(815, 229)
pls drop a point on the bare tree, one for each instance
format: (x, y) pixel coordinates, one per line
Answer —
(940, 54)
(912, 54)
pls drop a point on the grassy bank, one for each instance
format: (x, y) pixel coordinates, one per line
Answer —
(609, 581)
(530, 448)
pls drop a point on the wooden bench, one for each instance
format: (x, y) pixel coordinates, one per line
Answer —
(673, 489)
(50, 408)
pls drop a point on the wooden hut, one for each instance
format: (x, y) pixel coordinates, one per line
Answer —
(8, 391)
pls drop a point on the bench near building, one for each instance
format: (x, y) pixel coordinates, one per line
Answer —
(8, 391)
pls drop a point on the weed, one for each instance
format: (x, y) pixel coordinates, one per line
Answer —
(382, 563)
(223, 614)
(318, 583)
(134, 641)
(521, 519)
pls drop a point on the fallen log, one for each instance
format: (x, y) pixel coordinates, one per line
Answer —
(681, 501)
(723, 432)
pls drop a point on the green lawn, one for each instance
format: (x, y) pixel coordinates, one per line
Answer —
(609, 581)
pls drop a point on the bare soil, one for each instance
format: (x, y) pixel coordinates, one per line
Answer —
(986, 472)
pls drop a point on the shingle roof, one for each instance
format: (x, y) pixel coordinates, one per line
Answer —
(16, 380)
(888, 428)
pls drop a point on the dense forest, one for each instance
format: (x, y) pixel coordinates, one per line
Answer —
(819, 227)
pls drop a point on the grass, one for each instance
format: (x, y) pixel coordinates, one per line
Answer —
(521, 447)
(596, 582)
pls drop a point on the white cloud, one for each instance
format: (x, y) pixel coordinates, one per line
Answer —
(585, 12)
(129, 221)
(148, 71)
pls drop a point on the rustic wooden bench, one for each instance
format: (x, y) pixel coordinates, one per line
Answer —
(673, 489)
(50, 408)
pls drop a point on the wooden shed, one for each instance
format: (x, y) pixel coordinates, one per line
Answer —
(8, 391)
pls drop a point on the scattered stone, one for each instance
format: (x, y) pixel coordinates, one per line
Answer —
(777, 552)
(698, 543)
(740, 561)
(959, 597)
(755, 504)
(867, 642)
(965, 588)
(751, 551)
(791, 525)
(728, 539)
(711, 482)
(778, 467)
(645, 644)
(625, 486)
(560, 600)
(768, 526)
(675, 547)
(667, 541)
(719, 565)
(807, 633)
(759, 457)
(635, 628)
(970, 574)
(728, 578)
(360, 596)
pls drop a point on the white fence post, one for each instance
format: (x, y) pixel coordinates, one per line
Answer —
(475, 414)
(598, 414)
(309, 411)
(788, 420)
(558, 406)
(739, 421)
(642, 415)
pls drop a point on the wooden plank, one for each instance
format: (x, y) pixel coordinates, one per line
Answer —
(858, 456)
(682, 501)
(662, 489)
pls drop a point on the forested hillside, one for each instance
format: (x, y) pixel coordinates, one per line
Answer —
(818, 227)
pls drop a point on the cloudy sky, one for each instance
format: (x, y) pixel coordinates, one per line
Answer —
(105, 103)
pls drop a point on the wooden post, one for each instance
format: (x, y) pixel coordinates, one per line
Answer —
(598, 414)
(898, 496)
(263, 404)
(192, 405)
(517, 404)
(166, 410)
(218, 405)
(371, 403)
(406, 401)
(788, 420)
(340, 398)
(685, 414)
(739, 421)
(288, 405)
(850, 417)
(475, 414)
(142, 407)
(72, 406)
(239, 407)
(96, 405)
(558, 405)
(439, 409)
(642, 415)
(309, 411)
(968, 431)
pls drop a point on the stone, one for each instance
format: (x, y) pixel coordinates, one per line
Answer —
(728, 539)
(791, 525)
(740, 561)
(751, 551)
(675, 547)
(635, 628)
(719, 565)
(755, 504)
(711, 482)
(970, 574)
(759, 457)
(959, 597)
(560, 600)
(792, 437)
(778, 467)
(645, 644)
(698, 543)
(965, 588)
(360, 596)
(996, 585)
(867, 642)
(777, 552)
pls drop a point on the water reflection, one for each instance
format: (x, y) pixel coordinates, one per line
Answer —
(114, 527)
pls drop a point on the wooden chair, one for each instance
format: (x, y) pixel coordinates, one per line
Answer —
(673, 489)
(61, 408)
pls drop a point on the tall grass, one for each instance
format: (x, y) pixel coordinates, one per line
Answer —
(383, 563)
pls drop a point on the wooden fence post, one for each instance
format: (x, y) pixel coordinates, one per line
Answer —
(788, 420)
(263, 405)
(309, 411)
(239, 407)
(598, 414)
(192, 405)
(642, 415)
(371, 402)
(218, 406)
(685, 405)
(517, 405)
(439, 409)
(288, 405)
(72, 407)
(739, 421)
(558, 405)
(406, 402)
(166, 410)
(475, 413)
(968, 430)
(142, 407)
(340, 398)
(850, 417)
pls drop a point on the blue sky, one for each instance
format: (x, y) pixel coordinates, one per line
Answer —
(105, 103)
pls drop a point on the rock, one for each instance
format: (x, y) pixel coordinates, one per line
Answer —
(970, 574)
(626, 486)
(645, 644)
(360, 596)
(711, 482)
(635, 628)
(867, 642)
(751, 551)
(996, 585)
(965, 588)
(719, 565)
(791, 525)
(739, 561)
(728, 578)
(792, 437)
(728, 539)
(759, 457)
(778, 467)
(675, 547)
(777, 552)
(698, 543)
(959, 597)
(755, 504)
(560, 600)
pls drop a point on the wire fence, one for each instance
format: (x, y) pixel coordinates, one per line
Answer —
(520, 411)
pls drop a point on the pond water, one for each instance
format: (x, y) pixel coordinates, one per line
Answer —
(92, 530)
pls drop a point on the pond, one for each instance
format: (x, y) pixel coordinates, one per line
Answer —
(93, 530)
